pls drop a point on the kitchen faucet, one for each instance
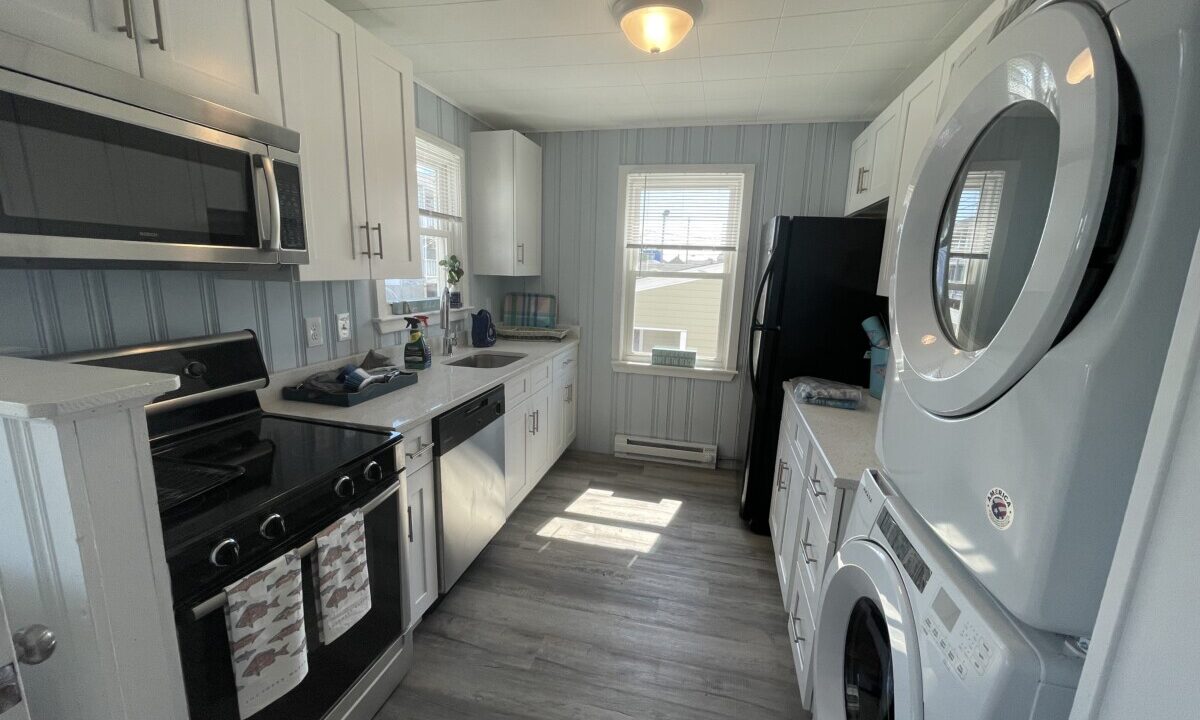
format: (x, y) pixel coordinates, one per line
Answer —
(449, 340)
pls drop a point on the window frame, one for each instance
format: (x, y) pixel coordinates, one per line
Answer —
(459, 246)
(731, 306)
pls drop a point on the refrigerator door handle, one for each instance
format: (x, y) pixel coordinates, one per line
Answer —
(756, 326)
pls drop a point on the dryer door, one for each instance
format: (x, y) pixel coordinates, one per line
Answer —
(1006, 211)
(866, 663)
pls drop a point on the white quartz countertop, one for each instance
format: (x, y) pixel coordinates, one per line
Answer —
(438, 389)
(46, 389)
(847, 437)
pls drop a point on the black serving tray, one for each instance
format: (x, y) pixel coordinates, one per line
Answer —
(303, 393)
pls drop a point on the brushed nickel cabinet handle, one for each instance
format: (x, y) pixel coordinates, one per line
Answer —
(366, 229)
(160, 41)
(521, 253)
(127, 28)
(379, 229)
(410, 530)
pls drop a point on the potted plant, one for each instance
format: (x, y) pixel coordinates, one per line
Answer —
(454, 274)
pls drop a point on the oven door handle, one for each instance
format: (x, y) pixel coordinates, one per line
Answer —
(216, 602)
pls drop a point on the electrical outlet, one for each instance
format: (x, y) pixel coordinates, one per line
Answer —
(314, 330)
(343, 326)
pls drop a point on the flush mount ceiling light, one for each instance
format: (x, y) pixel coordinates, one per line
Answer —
(656, 26)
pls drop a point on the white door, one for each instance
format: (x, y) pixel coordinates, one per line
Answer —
(389, 158)
(1006, 210)
(867, 654)
(319, 69)
(13, 703)
(96, 30)
(224, 52)
(422, 537)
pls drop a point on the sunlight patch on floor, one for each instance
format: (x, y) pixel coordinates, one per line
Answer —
(604, 504)
(599, 534)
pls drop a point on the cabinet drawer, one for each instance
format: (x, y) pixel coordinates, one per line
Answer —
(518, 390)
(812, 548)
(566, 365)
(541, 374)
(801, 633)
(418, 447)
(821, 485)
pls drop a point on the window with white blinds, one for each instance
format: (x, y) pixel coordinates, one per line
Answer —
(978, 213)
(440, 204)
(682, 243)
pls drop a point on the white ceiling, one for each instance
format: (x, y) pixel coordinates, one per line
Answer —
(564, 65)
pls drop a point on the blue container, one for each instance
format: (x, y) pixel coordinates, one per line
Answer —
(879, 363)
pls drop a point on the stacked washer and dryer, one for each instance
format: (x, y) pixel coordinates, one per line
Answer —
(1043, 253)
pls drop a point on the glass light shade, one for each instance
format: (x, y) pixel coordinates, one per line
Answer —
(656, 28)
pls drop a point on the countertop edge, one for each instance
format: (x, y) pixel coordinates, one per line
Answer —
(843, 437)
(45, 389)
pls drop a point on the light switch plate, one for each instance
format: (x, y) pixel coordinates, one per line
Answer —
(314, 330)
(343, 326)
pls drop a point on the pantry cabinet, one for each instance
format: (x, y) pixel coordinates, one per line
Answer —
(873, 161)
(506, 203)
(223, 53)
(350, 97)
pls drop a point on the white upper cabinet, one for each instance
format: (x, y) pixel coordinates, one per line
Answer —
(873, 161)
(95, 30)
(319, 71)
(223, 52)
(506, 204)
(350, 97)
(385, 91)
(918, 113)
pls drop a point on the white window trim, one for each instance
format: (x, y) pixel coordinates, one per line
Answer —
(731, 306)
(385, 320)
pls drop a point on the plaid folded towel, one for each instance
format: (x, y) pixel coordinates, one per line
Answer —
(815, 391)
(530, 310)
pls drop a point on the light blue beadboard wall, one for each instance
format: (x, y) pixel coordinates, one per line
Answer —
(799, 170)
(53, 311)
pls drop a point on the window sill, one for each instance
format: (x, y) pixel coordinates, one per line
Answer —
(396, 323)
(634, 368)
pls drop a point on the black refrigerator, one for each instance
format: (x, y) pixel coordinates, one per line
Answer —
(816, 288)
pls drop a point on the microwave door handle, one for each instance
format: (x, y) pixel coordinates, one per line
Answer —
(272, 241)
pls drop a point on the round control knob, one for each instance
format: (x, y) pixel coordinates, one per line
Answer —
(344, 487)
(225, 553)
(373, 472)
(273, 527)
(195, 369)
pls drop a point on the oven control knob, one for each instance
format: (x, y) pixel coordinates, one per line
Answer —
(273, 527)
(195, 369)
(224, 553)
(373, 472)
(344, 487)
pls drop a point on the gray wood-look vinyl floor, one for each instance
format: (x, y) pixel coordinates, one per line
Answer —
(677, 621)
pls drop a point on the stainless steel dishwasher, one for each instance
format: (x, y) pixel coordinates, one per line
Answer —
(470, 482)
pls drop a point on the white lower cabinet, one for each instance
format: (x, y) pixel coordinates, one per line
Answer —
(518, 424)
(538, 443)
(801, 631)
(539, 423)
(422, 541)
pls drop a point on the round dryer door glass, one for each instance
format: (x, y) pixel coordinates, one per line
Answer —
(993, 222)
(870, 693)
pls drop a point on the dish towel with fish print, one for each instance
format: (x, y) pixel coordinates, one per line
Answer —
(264, 614)
(344, 590)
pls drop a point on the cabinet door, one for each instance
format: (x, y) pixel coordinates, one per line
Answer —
(779, 503)
(491, 192)
(539, 443)
(918, 114)
(224, 52)
(389, 141)
(569, 416)
(518, 426)
(319, 71)
(422, 537)
(961, 49)
(527, 186)
(881, 178)
(95, 30)
(861, 152)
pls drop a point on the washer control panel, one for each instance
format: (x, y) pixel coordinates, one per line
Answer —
(963, 647)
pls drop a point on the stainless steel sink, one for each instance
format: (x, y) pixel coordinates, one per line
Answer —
(486, 360)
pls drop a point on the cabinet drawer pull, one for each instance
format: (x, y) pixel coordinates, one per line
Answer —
(422, 448)
(816, 487)
(521, 253)
(808, 560)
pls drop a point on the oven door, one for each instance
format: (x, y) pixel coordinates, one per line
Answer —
(88, 178)
(333, 669)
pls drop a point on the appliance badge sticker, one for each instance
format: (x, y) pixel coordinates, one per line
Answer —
(999, 508)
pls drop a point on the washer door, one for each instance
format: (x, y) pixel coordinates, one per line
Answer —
(1006, 210)
(866, 663)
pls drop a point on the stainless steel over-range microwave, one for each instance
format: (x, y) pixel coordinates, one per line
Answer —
(153, 177)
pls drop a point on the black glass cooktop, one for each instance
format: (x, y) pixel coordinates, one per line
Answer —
(218, 476)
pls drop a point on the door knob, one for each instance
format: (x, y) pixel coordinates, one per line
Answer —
(34, 644)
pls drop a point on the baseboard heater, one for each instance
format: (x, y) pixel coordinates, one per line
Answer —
(676, 452)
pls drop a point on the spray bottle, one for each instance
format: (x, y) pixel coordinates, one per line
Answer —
(417, 355)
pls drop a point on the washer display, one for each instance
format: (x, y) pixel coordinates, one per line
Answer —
(1039, 267)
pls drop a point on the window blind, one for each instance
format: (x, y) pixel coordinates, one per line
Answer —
(978, 213)
(439, 181)
(685, 210)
